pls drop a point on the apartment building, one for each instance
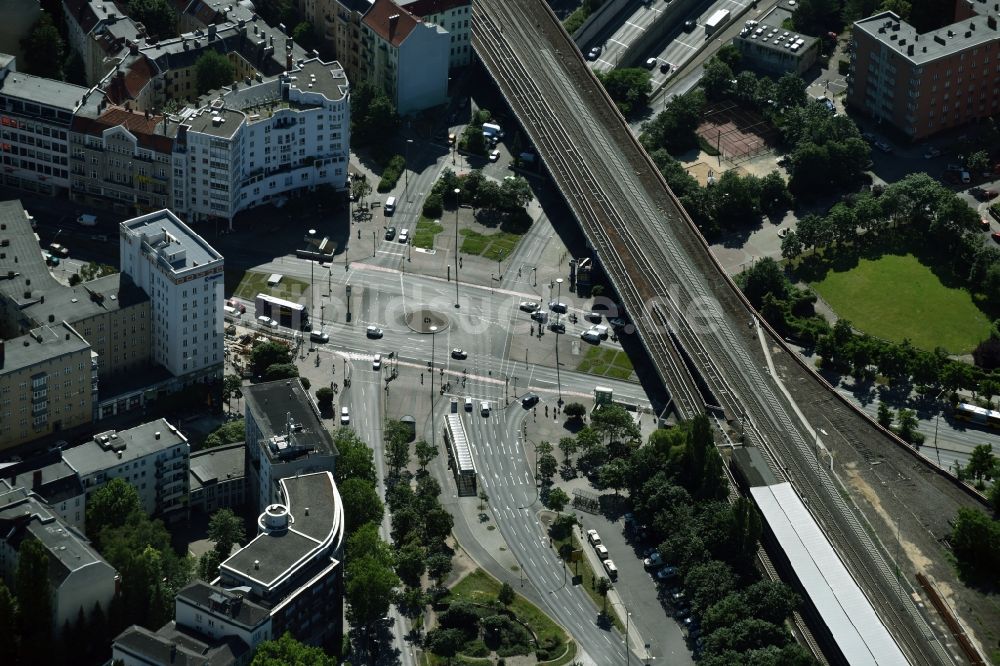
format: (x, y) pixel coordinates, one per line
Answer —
(284, 437)
(121, 157)
(35, 119)
(183, 275)
(455, 16)
(79, 577)
(152, 457)
(51, 480)
(99, 32)
(288, 578)
(927, 83)
(340, 22)
(218, 478)
(276, 137)
(405, 57)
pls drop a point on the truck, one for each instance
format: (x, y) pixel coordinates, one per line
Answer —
(492, 130)
(716, 21)
(87, 220)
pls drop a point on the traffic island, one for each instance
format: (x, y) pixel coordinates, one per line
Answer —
(426, 321)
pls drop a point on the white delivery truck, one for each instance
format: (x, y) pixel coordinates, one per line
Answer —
(716, 21)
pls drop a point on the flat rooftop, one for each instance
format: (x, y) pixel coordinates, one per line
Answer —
(284, 409)
(42, 343)
(845, 610)
(87, 299)
(57, 94)
(221, 123)
(328, 79)
(315, 530)
(112, 448)
(896, 34)
(167, 236)
(217, 464)
(25, 276)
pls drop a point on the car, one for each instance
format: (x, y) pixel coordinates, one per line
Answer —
(984, 224)
(883, 146)
(390, 233)
(528, 306)
(373, 332)
(594, 317)
(677, 597)
(494, 155)
(595, 53)
(602, 551)
(540, 317)
(458, 353)
(451, 139)
(100, 238)
(995, 236)
(651, 63)
(557, 327)
(689, 25)
(666, 68)
(954, 167)
(601, 330)
(377, 362)
(593, 537)
(682, 611)
(965, 177)
(654, 560)
(783, 232)
(267, 322)
(345, 416)
(990, 194)
(319, 336)
(666, 573)
(931, 153)
(468, 403)
(484, 408)
(611, 569)
(618, 322)
(556, 306)
(591, 336)
(404, 236)
(529, 400)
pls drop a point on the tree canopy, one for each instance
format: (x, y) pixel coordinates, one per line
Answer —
(286, 651)
(212, 71)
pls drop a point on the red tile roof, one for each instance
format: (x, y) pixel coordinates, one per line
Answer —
(393, 31)
(430, 7)
(143, 127)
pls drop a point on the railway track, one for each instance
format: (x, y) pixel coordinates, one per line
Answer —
(695, 329)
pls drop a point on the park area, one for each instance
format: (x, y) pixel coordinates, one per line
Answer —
(895, 297)
(253, 283)
(606, 362)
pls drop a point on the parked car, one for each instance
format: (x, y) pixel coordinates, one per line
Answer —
(459, 353)
(528, 306)
(984, 224)
(373, 332)
(666, 573)
(593, 537)
(965, 177)
(612, 570)
(494, 155)
(653, 561)
(602, 551)
(996, 236)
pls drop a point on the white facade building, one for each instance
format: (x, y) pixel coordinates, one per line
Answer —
(153, 457)
(183, 276)
(271, 139)
(455, 16)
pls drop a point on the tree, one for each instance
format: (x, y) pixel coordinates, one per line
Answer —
(791, 91)
(231, 387)
(438, 524)
(305, 36)
(361, 503)
(707, 583)
(982, 463)
(226, 530)
(547, 467)
(287, 650)
(397, 445)
(907, 428)
(613, 474)
(774, 194)
(506, 595)
(374, 120)
(764, 277)
(629, 88)
(93, 270)
(615, 424)
(439, 567)
(356, 459)
(817, 17)
(574, 410)
(717, 79)
(746, 634)
(370, 584)
(212, 71)
(265, 354)
(34, 597)
(978, 162)
(603, 587)
(557, 499)
(157, 16)
(228, 433)
(208, 565)
(281, 371)
(445, 642)
(426, 452)
(885, 416)
(8, 634)
(568, 446)
(324, 398)
(110, 506)
(411, 563)
(44, 49)
(975, 539)
(791, 245)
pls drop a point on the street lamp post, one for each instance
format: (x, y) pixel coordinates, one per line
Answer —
(434, 330)
(312, 283)
(457, 193)
(406, 169)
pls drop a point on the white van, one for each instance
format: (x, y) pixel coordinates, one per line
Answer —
(345, 416)
(87, 220)
(612, 570)
(593, 537)
(602, 551)
(267, 322)
(390, 206)
(230, 312)
(468, 404)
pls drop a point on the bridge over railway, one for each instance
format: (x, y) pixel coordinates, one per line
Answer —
(697, 329)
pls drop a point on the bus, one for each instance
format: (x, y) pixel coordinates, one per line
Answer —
(978, 415)
(286, 313)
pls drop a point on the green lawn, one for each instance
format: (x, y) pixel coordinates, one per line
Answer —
(896, 297)
(426, 230)
(254, 283)
(605, 362)
(496, 246)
